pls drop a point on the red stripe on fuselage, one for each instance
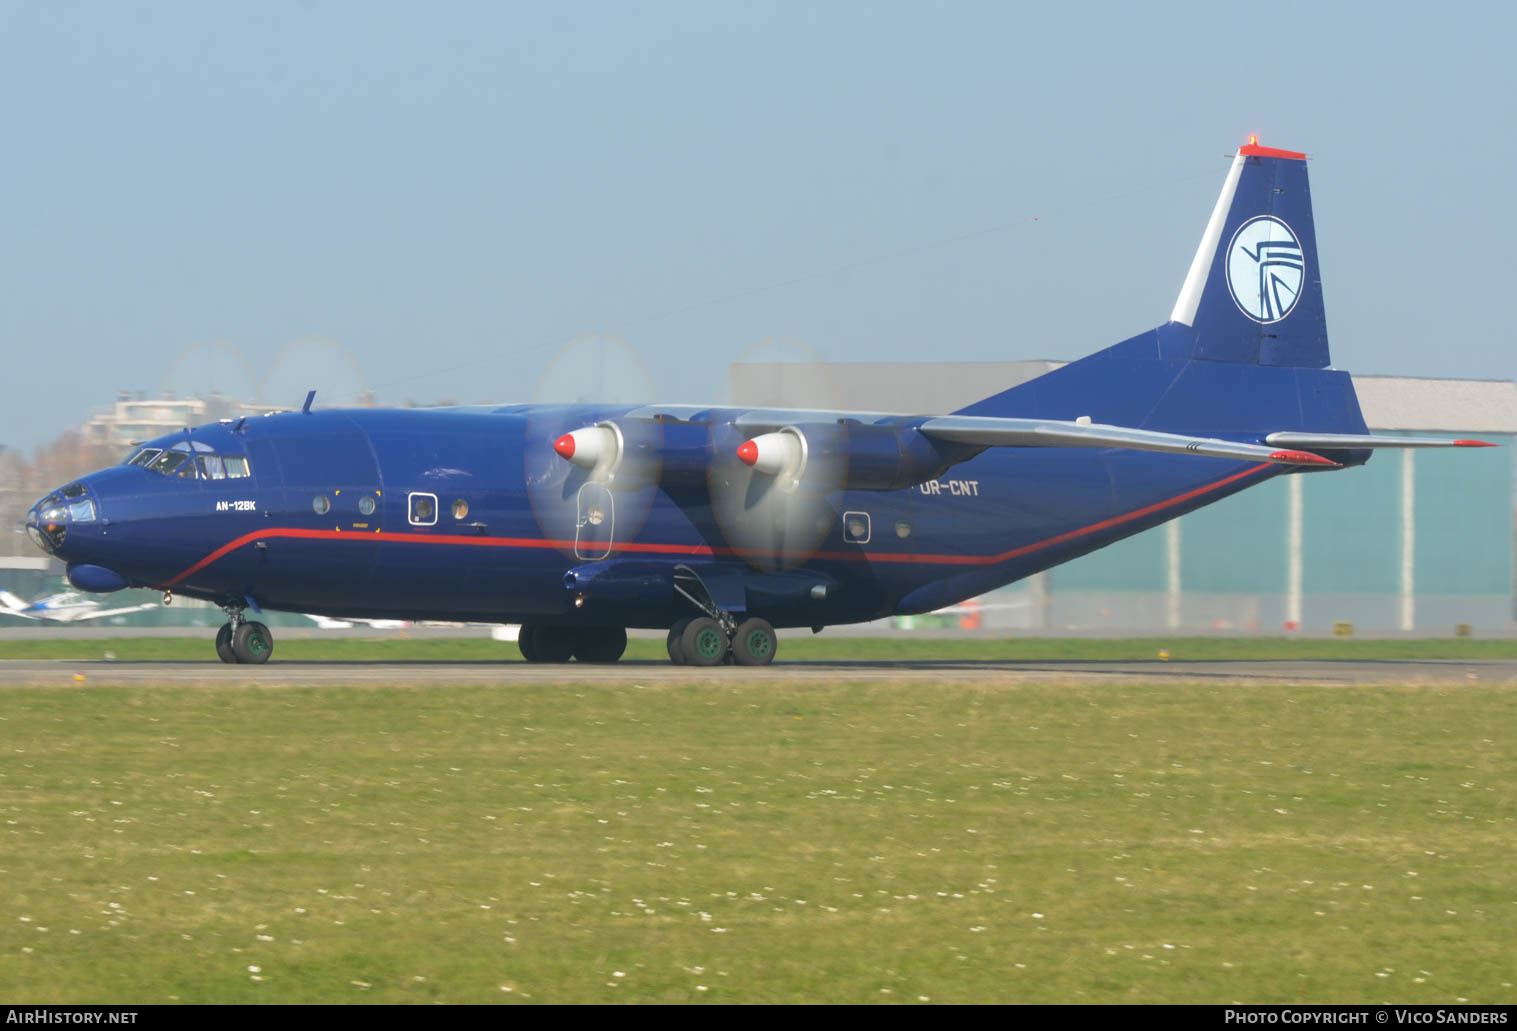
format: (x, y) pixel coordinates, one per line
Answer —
(703, 550)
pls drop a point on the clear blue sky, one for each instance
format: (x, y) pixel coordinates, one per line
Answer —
(453, 190)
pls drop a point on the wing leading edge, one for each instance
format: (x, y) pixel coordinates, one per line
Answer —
(971, 433)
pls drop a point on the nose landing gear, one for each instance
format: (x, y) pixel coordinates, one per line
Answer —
(243, 641)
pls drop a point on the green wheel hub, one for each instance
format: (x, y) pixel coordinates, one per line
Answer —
(709, 643)
(760, 643)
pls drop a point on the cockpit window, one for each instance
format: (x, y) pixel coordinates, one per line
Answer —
(144, 455)
(168, 462)
(180, 464)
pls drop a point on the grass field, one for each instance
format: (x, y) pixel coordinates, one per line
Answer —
(853, 842)
(400, 647)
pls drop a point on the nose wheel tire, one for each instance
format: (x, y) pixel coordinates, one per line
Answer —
(754, 644)
(224, 644)
(252, 643)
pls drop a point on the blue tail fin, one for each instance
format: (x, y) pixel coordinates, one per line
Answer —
(1253, 294)
(1245, 351)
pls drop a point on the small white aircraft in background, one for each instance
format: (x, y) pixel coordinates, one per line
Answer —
(326, 623)
(68, 607)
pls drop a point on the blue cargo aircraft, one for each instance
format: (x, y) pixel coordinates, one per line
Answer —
(721, 524)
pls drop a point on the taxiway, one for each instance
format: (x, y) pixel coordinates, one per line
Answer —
(64, 673)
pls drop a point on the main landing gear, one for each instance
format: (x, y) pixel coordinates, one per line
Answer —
(598, 644)
(243, 641)
(716, 635)
(703, 641)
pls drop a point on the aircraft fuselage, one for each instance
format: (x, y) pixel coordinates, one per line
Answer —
(466, 514)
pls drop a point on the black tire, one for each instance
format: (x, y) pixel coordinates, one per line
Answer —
(704, 642)
(672, 644)
(554, 643)
(525, 641)
(224, 644)
(755, 643)
(252, 643)
(601, 644)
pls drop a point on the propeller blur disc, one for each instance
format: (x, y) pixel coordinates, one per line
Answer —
(588, 507)
(776, 502)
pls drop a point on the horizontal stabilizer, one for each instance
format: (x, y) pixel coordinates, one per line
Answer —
(995, 432)
(1356, 441)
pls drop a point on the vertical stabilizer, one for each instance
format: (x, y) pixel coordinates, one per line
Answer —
(1245, 349)
(1254, 290)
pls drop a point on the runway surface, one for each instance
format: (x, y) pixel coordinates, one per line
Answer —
(66, 673)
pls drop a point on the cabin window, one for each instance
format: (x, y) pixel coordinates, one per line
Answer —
(902, 529)
(460, 508)
(321, 504)
(211, 467)
(856, 527)
(236, 466)
(422, 509)
(366, 505)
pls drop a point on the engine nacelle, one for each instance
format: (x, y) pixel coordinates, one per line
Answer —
(874, 457)
(636, 453)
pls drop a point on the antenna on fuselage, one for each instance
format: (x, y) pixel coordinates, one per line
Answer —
(305, 409)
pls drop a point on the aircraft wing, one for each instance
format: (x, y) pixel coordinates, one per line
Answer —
(875, 451)
(327, 623)
(80, 617)
(13, 606)
(994, 432)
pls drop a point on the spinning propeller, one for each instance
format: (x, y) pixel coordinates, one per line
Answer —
(590, 480)
(772, 480)
(759, 488)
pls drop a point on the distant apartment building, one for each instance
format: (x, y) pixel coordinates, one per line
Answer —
(140, 418)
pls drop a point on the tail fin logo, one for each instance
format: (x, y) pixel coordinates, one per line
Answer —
(1265, 268)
